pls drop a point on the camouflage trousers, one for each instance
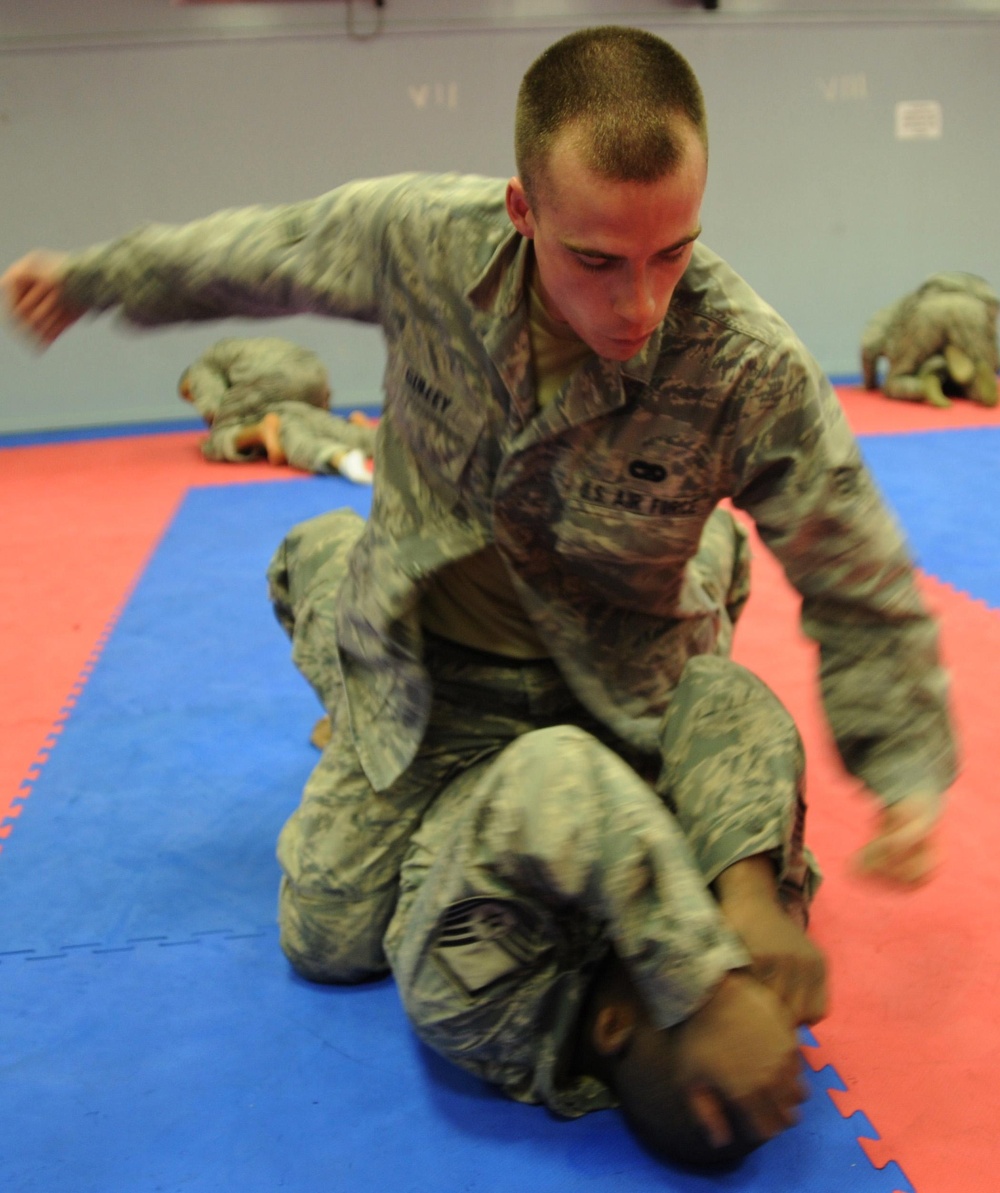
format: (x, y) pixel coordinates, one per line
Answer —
(308, 435)
(341, 851)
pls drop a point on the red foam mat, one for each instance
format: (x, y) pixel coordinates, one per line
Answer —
(913, 1031)
(872, 413)
(79, 522)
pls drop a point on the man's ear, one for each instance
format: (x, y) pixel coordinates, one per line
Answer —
(614, 1026)
(519, 209)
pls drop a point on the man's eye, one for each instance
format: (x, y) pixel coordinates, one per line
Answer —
(686, 251)
(593, 263)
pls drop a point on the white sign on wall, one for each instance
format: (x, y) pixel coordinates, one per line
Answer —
(919, 120)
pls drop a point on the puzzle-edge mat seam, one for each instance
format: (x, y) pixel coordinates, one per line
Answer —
(866, 1134)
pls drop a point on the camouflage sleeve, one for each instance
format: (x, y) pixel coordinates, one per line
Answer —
(246, 402)
(206, 381)
(221, 445)
(323, 256)
(920, 333)
(817, 508)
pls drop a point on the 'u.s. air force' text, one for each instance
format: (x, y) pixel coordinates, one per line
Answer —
(616, 497)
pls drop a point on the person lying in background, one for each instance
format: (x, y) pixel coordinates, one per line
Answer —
(269, 397)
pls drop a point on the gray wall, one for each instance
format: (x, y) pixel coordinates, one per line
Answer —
(114, 113)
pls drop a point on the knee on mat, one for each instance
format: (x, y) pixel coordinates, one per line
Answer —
(708, 680)
(325, 943)
(331, 969)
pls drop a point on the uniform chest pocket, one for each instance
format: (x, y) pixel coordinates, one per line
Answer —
(439, 443)
(436, 415)
(629, 546)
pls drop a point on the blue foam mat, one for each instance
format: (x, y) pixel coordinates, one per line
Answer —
(152, 1036)
(204, 1064)
(943, 486)
(158, 809)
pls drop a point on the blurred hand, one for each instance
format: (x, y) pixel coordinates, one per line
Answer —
(783, 958)
(739, 1054)
(265, 435)
(903, 850)
(33, 291)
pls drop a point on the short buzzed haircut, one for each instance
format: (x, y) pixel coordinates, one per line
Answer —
(626, 88)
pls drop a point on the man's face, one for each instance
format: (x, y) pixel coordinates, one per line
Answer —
(609, 254)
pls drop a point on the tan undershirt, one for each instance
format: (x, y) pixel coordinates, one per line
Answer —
(473, 601)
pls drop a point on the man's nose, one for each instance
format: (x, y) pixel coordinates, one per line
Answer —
(637, 300)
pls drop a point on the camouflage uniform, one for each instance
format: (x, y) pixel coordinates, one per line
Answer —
(596, 504)
(949, 311)
(529, 866)
(341, 850)
(237, 381)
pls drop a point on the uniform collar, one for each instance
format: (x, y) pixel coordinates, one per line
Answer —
(499, 289)
(498, 293)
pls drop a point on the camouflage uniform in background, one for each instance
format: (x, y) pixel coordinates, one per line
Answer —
(237, 381)
(940, 341)
(597, 506)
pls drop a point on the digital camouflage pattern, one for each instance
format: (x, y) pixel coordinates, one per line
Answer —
(937, 341)
(597, 503)
(237, 381)
(311, 439)
(526, 869)
(342, 849)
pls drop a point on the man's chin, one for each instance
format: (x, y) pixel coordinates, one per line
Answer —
(613, 347)
(622, 350)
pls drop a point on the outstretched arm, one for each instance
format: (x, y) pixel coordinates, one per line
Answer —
(322, 256)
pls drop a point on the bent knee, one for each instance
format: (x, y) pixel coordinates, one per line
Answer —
(332, 967)
(563, 766)
(331, 940)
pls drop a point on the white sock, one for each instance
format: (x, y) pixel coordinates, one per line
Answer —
(354, 467)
